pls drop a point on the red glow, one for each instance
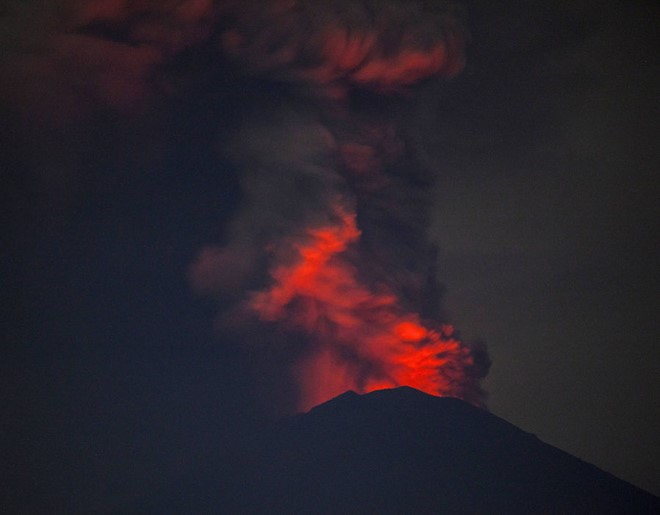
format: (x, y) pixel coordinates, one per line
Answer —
(365, 340)
(411, 332)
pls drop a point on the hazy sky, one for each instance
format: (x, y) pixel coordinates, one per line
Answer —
(119, 167)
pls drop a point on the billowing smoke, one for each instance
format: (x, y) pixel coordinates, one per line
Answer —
(64, 60)
(329, 244)
(335, 206)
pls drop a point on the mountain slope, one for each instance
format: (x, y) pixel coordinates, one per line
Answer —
(403, 451)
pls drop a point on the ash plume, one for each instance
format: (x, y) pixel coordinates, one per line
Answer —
(335, 206)
(329, 242)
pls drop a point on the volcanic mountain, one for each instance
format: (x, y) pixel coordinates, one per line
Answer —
(401, 451)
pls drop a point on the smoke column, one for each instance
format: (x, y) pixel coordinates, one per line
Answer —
(335, 209)
(329, 245)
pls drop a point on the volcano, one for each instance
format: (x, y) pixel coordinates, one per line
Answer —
(400, 451)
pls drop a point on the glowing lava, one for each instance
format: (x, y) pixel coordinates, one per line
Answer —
(364, 339)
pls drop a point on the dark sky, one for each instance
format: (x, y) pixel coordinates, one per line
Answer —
(116, 175)
(547, 219)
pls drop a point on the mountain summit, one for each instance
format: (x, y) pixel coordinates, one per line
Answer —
(404, 451)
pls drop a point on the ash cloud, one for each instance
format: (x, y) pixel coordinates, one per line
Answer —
(66, 60)
(336, 76)
(332, 134)
(329, 150)
(336, 46)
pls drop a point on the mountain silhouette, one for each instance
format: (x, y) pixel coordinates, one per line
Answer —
(400, 451)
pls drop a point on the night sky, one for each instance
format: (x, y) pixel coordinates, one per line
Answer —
(120, 375)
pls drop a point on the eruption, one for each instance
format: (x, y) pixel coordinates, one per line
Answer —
(366, 341)
(329, 243)
(336, 208)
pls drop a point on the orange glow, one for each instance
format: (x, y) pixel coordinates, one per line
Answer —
(364, 339)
